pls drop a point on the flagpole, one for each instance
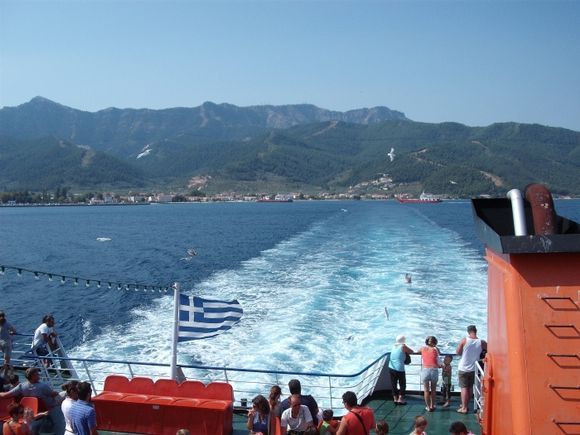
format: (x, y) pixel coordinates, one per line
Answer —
(173, 366)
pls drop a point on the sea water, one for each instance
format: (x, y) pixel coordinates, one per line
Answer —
(321, 283)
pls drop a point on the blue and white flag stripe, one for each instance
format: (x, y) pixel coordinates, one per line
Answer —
(203, 318)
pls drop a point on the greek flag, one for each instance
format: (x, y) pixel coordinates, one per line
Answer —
(203, 318)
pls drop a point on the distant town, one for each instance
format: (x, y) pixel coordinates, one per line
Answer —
(11, 199)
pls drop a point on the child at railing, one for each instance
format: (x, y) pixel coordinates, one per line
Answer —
(446, 385)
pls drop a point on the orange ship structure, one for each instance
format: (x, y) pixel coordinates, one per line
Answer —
(531, 381)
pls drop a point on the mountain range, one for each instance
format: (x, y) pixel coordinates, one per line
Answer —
(222, 147)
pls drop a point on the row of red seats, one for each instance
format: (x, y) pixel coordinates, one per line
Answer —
(164, 406)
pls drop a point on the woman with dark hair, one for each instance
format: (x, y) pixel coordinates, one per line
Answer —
(430, 371)
(72, 395)
(259, 416)
(274, 399)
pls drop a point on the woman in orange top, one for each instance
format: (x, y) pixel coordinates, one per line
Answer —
(430, 372)
(15, 426)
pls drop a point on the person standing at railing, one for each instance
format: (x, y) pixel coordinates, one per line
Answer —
(399, 353)
(430, 372)
(6, 333)
(359, 420)
(44, 340)
(469, 348)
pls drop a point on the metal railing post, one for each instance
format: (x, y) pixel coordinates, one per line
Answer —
(330, 390)
(89, 376)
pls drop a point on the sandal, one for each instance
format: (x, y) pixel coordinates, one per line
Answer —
(427, 409)
(462, 411)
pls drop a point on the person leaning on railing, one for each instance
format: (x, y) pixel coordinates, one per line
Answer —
(399, 353)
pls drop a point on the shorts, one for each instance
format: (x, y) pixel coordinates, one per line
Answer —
(429, 375)
(466, 379)
(6, 348)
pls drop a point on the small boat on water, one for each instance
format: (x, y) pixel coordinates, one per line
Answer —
(424, 198)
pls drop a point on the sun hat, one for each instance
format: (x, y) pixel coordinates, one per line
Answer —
(400, 339)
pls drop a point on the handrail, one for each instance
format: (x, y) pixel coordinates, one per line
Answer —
(363, 382)
(202, 367)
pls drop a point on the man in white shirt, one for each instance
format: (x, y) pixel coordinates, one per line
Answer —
(297, 418)
(469, 348)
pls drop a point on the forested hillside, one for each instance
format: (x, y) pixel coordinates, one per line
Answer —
(239, 150)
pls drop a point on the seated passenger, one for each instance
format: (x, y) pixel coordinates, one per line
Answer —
(274, 399)
(420, 425)
(295, 388)
(359, 420)
(259, 416)
(16, 425)
(328, 425)
(382, 427)
(296, 419)
(459, 428)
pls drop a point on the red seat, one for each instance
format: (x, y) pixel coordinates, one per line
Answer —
(166, 387)
(191, 389)
(219, 391)
(163, 407)
(116, 383)
(140, 385)
(30, 402)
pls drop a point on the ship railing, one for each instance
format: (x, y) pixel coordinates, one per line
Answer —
(247, 383)
(478, 397)
(55, 367)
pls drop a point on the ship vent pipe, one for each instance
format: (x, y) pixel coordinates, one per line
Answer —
(518, 212)
(545, 219)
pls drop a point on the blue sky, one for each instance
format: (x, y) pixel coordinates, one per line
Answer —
(465, 61)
